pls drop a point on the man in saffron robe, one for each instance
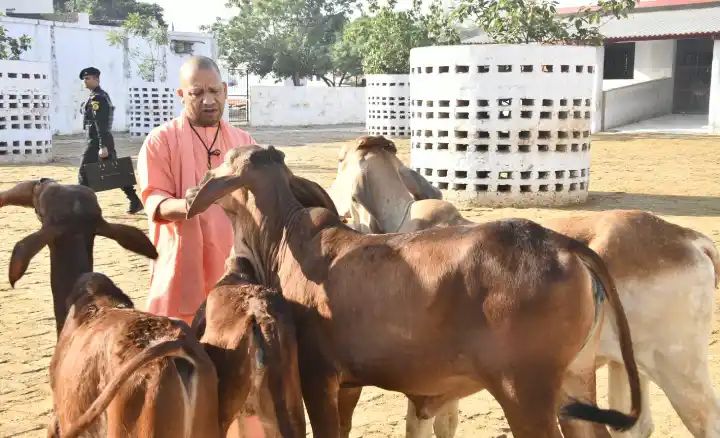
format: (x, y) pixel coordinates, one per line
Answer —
(173, 159)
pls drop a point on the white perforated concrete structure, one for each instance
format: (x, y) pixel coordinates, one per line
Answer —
(25, 134)
(503, 124)
(388, 105)
(151, 105)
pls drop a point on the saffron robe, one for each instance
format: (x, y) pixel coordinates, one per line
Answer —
(191, 253)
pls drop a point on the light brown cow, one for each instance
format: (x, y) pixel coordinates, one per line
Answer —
(437, 315)
(71, 218)
(248, 332)
(666, 277)
(411, 206)
(156, 379)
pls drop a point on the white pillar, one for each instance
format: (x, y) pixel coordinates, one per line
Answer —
(504, 124)
(714, 113)
(387, 98)
(598, 101)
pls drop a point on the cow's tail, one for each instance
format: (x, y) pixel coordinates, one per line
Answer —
(163, 349)
(583, 411)
(276, 363)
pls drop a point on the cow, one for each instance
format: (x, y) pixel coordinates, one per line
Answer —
(666, 277)
(440, 314)
(71, 218)
(119, 372)
(248, 332)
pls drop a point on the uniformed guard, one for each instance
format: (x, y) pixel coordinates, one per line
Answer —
(98, 120)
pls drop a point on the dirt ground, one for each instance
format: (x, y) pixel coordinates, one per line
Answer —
(677, 178)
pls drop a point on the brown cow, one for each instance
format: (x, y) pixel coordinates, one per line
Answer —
(156, 379)
(71, 218)
(666, 277)
(437, 315)
(248, 332)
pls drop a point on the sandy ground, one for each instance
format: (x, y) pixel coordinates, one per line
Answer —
(675, 177)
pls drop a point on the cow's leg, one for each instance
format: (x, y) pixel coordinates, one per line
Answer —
(446, 421)
(416, 427)
(53, 430)
(685, 379)
(529, 399)
(347, 400)
(444, 424)
(423, 409)
(320, 390)
(619, 399)
(579, 384)
(321, 400)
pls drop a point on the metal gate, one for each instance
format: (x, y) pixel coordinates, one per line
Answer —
(238, 97)
(693, 64)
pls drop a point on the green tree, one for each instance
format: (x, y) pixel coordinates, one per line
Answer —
(528, 21)
(12, 48)
(112, 9)
(151, 62)
(346, 57)
(286, 38)
(381, 40)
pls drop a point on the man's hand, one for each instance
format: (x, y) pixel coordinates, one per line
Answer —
(103, 153)
(190, 195)
(175, 209)
(172, 210)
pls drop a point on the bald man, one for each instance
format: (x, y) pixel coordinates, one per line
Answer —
(173, 159)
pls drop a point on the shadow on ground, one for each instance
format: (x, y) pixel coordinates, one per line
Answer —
(674, 205)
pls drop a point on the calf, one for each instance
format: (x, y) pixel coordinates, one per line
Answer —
(156, 379)
(71, 218)
(248, 332)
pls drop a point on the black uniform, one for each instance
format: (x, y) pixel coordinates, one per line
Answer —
(98, 120)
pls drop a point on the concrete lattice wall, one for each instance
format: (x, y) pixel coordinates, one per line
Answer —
(504, 124)
(25, 135)
(388, 105)
(151, 105)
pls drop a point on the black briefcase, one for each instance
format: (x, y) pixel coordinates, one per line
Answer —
(110, 174)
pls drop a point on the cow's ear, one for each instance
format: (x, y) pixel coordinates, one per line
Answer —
(418, 186)
(27, 248)
(128, 237)
(21, 195)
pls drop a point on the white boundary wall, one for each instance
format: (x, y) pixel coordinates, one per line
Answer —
(388, 105)
(25, 135)
(69, 47)
(504, 124)
(635, 102)
(306, 106)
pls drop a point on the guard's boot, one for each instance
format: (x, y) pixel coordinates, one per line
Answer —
(136, 205)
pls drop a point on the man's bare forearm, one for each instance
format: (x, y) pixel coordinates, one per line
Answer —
(172, 210)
